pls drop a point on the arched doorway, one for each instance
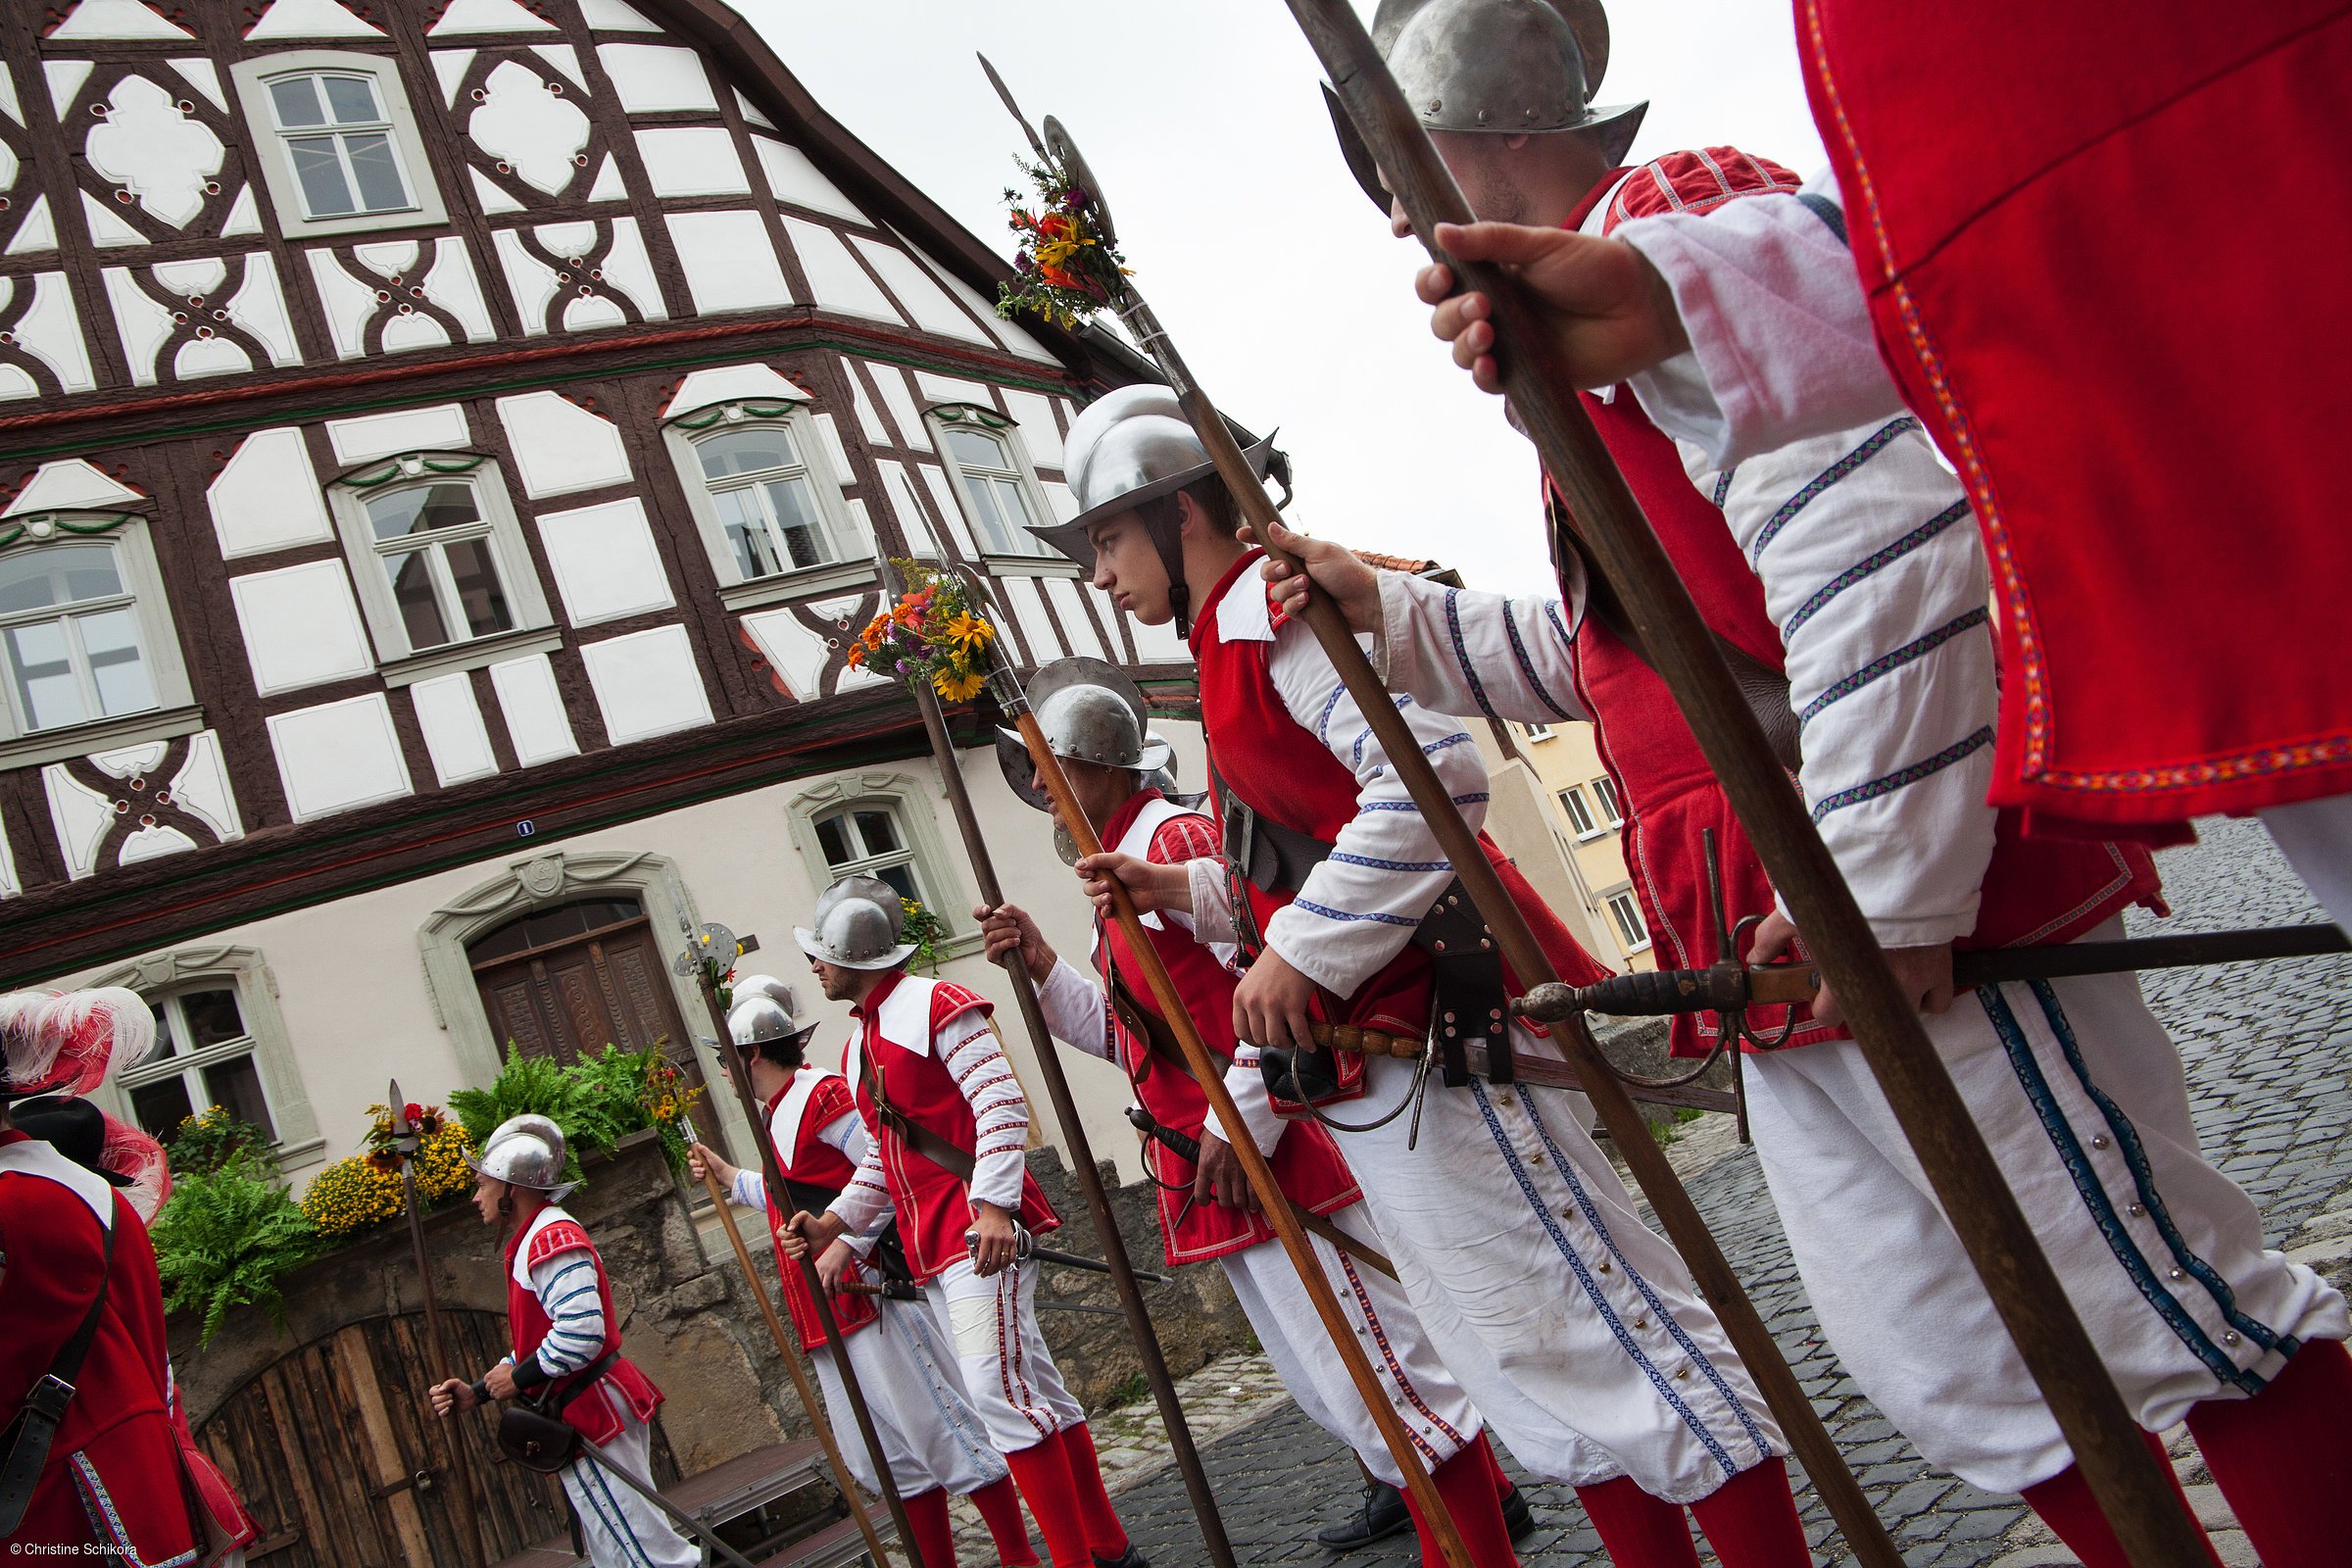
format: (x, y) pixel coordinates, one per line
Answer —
(567, 979)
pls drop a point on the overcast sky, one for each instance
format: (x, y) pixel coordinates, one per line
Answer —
(1277, 279)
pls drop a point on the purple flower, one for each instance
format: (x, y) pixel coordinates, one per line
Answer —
(1022, 261)
(902, 666)
(1075, 200)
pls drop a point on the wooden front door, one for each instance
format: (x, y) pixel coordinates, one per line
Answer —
(568, 981)
(336, 1452)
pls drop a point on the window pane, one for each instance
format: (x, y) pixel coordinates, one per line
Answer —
(880, 830)
(236, 1085)
(47, 689)
(212, 1016)
(1015, 505)
(421, 507)
(1580, 814)
(747, 452)
(321, 172)
(1607, 792)
(974, 450)
(902, 877)
(111, 640)
(987, 521)
(747, 533)
(58, 574)
(833, 837)
(297, 101)
(352, 100)
(412, 591)
(160, 1108)
(381, 189)
(794, 512)
(482, 596)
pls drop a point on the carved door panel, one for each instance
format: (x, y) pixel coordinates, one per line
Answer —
(338, 1456)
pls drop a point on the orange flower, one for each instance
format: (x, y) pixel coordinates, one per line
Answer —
(857, 656)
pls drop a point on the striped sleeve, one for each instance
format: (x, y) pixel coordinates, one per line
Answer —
(983, 1075)
(1460, 650)
(865, 1202)
(566, 1285)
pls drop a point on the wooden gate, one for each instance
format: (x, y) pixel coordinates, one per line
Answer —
(336, 1450)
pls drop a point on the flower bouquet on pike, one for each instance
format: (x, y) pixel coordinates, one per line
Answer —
(935, 633)
(1069, 264)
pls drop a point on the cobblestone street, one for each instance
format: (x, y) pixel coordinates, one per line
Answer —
(2267, 1049)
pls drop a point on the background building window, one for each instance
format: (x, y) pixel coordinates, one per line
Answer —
(204, 1057)
(1604, 790)
(1626, 911)
(867, 840)
(997, 502)
(444, 577)
(338, 141)
(70, 632)
(434, 543)
(1538, 733)
(759, 484)
(1580, 812)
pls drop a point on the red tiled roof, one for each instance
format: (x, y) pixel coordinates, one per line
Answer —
(1393, 562)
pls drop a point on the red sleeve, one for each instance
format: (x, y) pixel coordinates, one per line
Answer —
(949, 998)
(829, 1102)
(1190, 837)
(563, 1236)
(1696, 183)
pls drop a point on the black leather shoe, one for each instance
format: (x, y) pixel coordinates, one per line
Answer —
(1517, 1517)
(1380, 1516)
(1132, 1557)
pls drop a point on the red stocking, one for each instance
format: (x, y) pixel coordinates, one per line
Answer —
(1504, 1485)
(1000, 1505)
(2066, 1506)
(1466, 1485)
(1044, 1475)
(1639, 1530)
(1751, 1519)
(1104, 1533)
(2284, 1459)
(934, 1537)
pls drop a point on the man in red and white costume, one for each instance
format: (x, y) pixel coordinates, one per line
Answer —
(2033, 252)
(116, 1483)
(907, 1370)
(946, 1124)
(1093, 717)
(1514, 1236)
(1871, 602)
(567, 1341)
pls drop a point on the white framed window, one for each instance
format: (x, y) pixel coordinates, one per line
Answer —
(443, 574)
(1604, 790)
(1538, 733)
(882, 824)
(761, 481)
(993, 478)
(88, 655)
(339, 149)
(1580, 812)
(865, 839)
(1625, 911)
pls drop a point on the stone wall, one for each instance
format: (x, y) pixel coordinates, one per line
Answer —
(686, 1315)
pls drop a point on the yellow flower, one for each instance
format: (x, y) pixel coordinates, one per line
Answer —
(958, 688)
(969, 633)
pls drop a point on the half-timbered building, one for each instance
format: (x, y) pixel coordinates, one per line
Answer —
(444, 447)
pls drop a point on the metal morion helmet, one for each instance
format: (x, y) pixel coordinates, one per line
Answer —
(1504, 67)
(525, 1151)
(1091, 712)
(761, 1019)
(1131, 446)
(858, 923)
(765, 985)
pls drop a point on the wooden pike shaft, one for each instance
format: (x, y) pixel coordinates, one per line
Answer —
(1180, 1446)
(1270, 1195)
(2127, 1479)
(462, 1492)
(739, 1078)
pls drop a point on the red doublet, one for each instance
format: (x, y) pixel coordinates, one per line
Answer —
(933, 1204)
(1277, 767)
(796, 1115)
(1306, 1163)
(2036, 891)
(551, 1233)
(115, 1456)
(2103, 253)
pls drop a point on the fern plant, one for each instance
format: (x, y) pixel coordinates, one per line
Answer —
(583, 1108)
(224, 1239)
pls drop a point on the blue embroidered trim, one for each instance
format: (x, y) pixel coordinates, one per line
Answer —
(1674, 1326)
(1390, 865)
(99, 1508)
(1584, 1277)
(1312, 907)
(618, 1524)
(1551, 613)
(2144, 1179)
(1462, 654)
(1460, 737)
(1474, 798)
(1885, 558)
(1527, 666)
(1723, 485)
(1890, 663)
(1842, 468)
(1356, 754)
(1903, 777)
(1323, 725)
(2096, 1200)
(1828, 211)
